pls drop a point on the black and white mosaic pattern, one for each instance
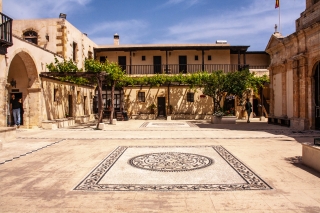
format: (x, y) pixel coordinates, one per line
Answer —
(168, 124)
(170, 162)
(242, 178)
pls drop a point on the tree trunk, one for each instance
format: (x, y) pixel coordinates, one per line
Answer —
(100, 104)
(113, 83)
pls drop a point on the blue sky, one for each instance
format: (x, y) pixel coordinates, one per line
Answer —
(245, 22)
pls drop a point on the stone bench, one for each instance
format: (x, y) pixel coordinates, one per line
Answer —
(58, 123)
(311, 156)
(279, 121)
(82, 119)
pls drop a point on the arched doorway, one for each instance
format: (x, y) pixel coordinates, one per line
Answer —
(24, 81)
(317, 95)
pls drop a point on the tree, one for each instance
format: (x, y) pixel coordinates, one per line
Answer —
(114, 74)
(215, 87)
(95, 72)
(240, 83)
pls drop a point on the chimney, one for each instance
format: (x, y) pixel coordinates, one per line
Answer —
(116, 39)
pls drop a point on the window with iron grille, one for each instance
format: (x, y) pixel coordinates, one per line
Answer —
(196, 58)
(143, 58)
(209, 57)
(141, 96)
(31, 36)
(190, 97)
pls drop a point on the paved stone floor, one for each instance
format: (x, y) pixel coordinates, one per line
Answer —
(41, 170)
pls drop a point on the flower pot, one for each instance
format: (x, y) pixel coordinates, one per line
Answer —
(228, 119)
(216, 119)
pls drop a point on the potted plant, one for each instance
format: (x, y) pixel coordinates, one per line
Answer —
(170, 109)
(152, 107)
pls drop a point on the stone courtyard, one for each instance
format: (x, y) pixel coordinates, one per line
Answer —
(159, 166)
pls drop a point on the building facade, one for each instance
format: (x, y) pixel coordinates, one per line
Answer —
(294, 71)
(184, 102)
(36, 43)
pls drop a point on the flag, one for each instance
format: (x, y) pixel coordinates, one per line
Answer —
(277, 4)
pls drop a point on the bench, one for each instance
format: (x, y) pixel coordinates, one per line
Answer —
(279, 121)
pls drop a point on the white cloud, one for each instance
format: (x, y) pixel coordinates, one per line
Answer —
(18, 9)
(244, 26)
(186, 3)
(132, 31)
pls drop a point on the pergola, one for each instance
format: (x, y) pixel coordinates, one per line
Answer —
(93, 78)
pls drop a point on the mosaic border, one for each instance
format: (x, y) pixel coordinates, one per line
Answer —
(190, 124)
(253, 181)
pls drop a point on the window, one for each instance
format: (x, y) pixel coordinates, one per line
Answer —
(75, 49)
(190, 97)
(55, 95)
(143, 58)
(196, 58)
(90, 55)
(209, 57)
(78, 97)
(141, 96)
(31, 36)
(103, 59)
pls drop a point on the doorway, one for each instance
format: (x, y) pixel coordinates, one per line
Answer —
(156, 64)
(70, 106)
(182, 64)
(18, 96)
(161, 106)
(317, 95)
(122, 61)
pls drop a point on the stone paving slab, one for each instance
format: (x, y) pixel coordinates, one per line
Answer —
(43, 181)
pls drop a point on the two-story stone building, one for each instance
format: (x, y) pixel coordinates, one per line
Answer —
(294, 72)
(173, 59)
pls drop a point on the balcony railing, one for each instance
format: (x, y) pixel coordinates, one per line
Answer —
(184, 68)
(5, 33)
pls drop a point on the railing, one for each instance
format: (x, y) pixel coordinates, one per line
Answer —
(5, 30)
(184, 68)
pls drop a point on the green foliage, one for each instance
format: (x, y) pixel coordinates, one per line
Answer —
(64, 66)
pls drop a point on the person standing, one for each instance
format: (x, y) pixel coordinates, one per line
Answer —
(248, 107)
(15, 106)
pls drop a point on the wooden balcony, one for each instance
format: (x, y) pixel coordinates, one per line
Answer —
(5, 33)
(184, 68)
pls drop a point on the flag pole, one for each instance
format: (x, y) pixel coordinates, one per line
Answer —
(279, 18)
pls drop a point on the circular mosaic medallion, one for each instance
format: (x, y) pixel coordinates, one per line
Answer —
(170, 161)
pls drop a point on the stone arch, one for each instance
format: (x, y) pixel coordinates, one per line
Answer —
(22, 68)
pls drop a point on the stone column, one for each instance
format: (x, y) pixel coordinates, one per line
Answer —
(3, 102)
(296, 87)
(284, 91)
(304, 119)
(271, 103)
